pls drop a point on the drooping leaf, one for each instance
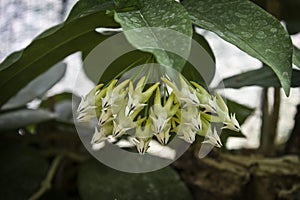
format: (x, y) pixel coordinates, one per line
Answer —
(87, 7)
(38, 87)
(241, 111)
(20, 118)
(50, 47)
(263, 77)
(21, 172)
(250, 28)
(296, 57)
(204, 58)
(157, 28)
(97, 181)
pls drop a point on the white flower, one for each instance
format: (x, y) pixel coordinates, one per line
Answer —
(105, 117)
(89, 105)
(186, 94)
(207, 101)
(213, 138)
(164, 135)
(136, 97)
(223, 116)
(123, 123)
(100, 136)
(231, 123)
(191, 117)
(143, 137)
(186, 133)
(115, 96)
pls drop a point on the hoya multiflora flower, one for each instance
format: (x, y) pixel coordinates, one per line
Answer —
(155, 111)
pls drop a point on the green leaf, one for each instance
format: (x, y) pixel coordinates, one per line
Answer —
(263, 77)
(38, 87)
(20, 118)
(21, 172)
(164, 14)
(97, 181)
(49, 48)
(250, 28)
(241, 111)
(296, 57)
(87, 7)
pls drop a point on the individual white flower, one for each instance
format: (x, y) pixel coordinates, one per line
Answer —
(232, 124)
(186, 133)
(143, 137)
(164, 135)
(123, 123)
(105, 117)
(223, 116)
(115, 96)
(100, 136)
(136, 96)
(186, 94)
(89, 106)
(208, 103)
(161, 115)
(89, 99)
(213, 138)
(191, 116)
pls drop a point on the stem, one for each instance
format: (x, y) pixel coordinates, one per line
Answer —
(264, 120)
(46, 183)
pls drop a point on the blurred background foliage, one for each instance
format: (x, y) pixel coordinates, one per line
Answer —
(42, 155)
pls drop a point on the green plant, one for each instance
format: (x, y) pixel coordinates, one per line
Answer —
(242, 23)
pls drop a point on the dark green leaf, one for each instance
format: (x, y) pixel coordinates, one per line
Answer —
(163, 14)
(19, 118)
(296, 57)
(250, 28)
(22, 171)
(97, 181)
(38, 87)
(203, 42)
(49, 48)
(87, 7)
(263, 77)
(241, 111)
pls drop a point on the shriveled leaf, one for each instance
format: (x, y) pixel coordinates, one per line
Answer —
(296, 57)
(38, 87)
(263, 77)
(97, 181)
(19, 118)
(21, 172)
(141, 30)
(49, 48)
(250, 28)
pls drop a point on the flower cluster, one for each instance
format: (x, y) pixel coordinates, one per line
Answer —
(155, 110)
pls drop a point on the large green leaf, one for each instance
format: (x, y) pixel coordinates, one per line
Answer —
(38, 87)
(22, 171)
(97, 181)
(263, 77)
(250, 28)
(296, 57)
(141, 30)
(20, 118)
(50, 47)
